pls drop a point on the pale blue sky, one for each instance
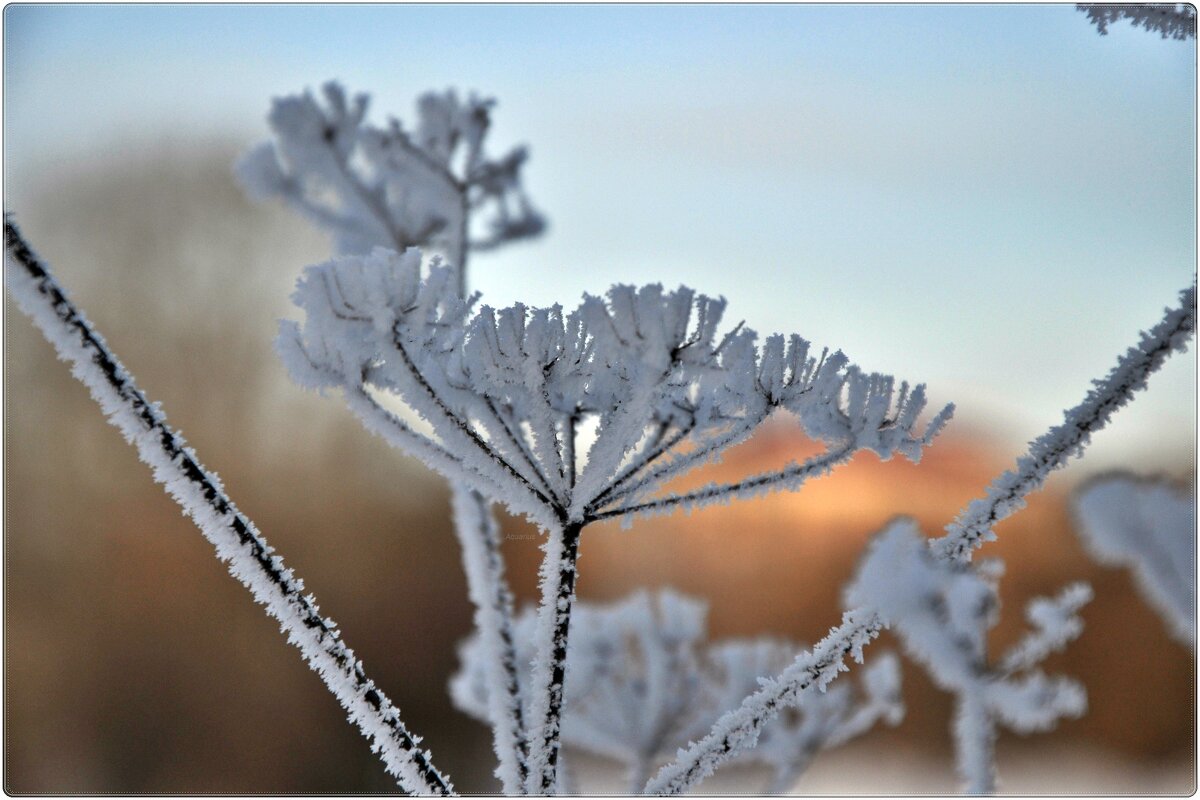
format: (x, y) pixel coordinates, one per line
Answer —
(992, 199)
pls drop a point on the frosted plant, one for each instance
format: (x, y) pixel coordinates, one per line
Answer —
(1172, 20)
(385, 186)
(739, 729)
(643, 680)
(942, 611)
(565, 417)
(1150, 527)
(507, 394)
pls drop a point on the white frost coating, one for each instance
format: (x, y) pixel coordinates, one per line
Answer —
(643, 681)
(479, 537)
(387, 187)
(1006, 495)
(1054, 622)
(739, 729)
(819, 720)
(507, 391)
(942, 611)
(556, 577)
(238, 544)
(1150, 527)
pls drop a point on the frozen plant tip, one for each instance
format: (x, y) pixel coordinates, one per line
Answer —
(387, 186)
(1150, 527)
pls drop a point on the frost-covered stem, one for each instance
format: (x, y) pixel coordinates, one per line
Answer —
(660, 472)
(569, 449)
(479, 536)
(791, 477)
(975, 741)
(653, 450)
(557, 577)
(1053, 449)
(459, 258)
(520, 447)
(738, 730)
(368, 198)
(238, 543)
(395, 432)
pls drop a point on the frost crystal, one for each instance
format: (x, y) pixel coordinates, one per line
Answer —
(1150, 527)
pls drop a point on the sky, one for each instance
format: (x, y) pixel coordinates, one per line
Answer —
(991, 199)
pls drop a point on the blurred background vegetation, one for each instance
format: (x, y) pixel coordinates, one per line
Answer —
(135, 664)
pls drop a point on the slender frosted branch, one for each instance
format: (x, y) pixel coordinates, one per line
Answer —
(660, 473)
(453, 425)
(1006, 494)
(238, 543)
(790, 478)
(739, 729)
(479, 537)
(657, 445)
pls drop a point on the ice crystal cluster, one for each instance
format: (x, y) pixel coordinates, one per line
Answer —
(1150, 527)
(643, 680)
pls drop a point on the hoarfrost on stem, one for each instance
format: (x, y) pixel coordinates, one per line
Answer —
(200, 494)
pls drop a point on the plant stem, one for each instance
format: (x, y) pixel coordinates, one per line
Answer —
(558, 573)
(237, 541)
